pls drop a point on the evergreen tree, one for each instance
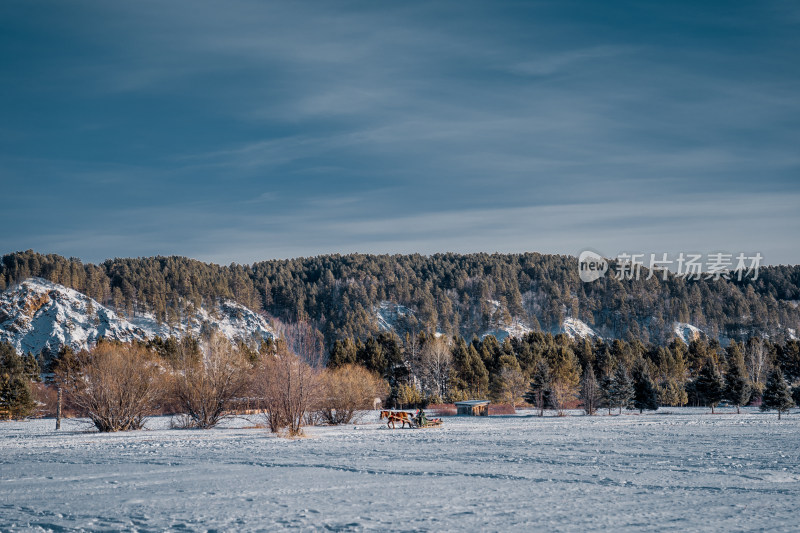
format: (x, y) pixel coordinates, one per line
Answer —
(470, 378)
(343, 353)
(540, 387)
(339, 293)
(709, 384)
(372, 357)
(621, 389)
(737, 385)
(789, 359)
(672, 393)
(645, 393)
(776, 393)
(607, 391)
(16, 374)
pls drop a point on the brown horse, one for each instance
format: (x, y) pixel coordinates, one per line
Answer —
(396, 416)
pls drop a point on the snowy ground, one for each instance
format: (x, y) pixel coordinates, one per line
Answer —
(675, 470)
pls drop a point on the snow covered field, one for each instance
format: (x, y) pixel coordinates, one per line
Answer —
(675, 470)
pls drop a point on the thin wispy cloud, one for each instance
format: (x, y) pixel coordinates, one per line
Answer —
(282, 128)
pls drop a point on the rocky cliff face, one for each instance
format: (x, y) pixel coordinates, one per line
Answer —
(38, 315)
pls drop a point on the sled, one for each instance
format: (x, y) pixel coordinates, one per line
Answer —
(430, 423)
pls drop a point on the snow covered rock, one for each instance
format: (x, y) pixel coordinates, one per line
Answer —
(388, 313)
(575, 328)
(687, 332)
(40, 315)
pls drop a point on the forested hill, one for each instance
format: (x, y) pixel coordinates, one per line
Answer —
(451, 293)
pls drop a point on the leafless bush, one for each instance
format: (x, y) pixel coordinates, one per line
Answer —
(289, 388)
(314, 418)
(206, 383)
(590, 392)
(347, 390)
(562, 393)
(116, 385)
(512, 386)
(182, 422)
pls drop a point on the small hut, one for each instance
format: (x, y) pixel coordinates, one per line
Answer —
(473, 408)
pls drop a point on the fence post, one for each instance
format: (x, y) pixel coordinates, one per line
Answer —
(58, 410)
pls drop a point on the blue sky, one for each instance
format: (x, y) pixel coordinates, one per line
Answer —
(242, 131)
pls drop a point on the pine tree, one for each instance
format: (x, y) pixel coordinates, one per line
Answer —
(372, 356)
(776, 393)
(710, 385)
(607, 391)
(540, 387)
(621, 388)
(343, 353)
(645, 393)
(470, 379)
(16, 374)
(789, 359)
(737, 386)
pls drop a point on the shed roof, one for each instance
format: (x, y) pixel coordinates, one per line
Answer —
(473, 402)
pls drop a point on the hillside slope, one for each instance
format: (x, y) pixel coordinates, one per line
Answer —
(454, 294)
(41, 316)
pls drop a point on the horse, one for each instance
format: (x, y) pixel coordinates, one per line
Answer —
(396, 416)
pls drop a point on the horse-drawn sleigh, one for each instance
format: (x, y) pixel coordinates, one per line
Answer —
(404, 417)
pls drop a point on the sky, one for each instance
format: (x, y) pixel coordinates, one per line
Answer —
(242, 131)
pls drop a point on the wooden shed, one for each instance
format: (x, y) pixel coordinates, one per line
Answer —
(473, 408)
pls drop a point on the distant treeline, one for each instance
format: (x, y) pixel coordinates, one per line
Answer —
(431, 369)
(456, 294)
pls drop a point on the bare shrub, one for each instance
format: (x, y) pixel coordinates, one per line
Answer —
(314, 417)
(562, 393)
(347, 390)
(181, 422)
(590, 392)
(206, 382)
(289, 388)
(116, 385)
(511, 386)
